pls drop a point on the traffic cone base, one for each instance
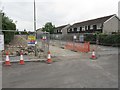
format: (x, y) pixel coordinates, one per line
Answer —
(49, 61)
(7, 63)
(93, 56)
(21, 62)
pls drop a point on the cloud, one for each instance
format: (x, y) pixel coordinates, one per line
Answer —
(25, 25)
(58, 12)
(119, 9)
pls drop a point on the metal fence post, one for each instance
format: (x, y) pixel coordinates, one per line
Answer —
(74, 38)
(97, 43)
(48, 41)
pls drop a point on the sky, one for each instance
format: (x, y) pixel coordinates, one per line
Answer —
(59, 12)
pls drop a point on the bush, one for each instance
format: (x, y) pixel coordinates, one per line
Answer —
(91, 38)
(7, 24)
(104, 39)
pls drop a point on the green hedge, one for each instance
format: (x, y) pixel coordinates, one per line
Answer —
(104, 39)
(91, 38)
(7, 24)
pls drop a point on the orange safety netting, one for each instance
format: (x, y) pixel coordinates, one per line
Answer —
(85, 47)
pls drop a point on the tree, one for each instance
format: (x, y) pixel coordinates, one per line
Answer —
(48, 27)
(7, 24)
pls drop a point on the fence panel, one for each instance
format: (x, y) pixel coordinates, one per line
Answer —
(43, 40)
(20, 43)
(70, 41)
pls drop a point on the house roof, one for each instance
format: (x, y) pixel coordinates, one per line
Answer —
(93, 21)
(60, 27)
(39, 29)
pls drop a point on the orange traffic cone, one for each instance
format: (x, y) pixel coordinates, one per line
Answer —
(49, 58)
(7, 61)
(21, 59)
(93, 55)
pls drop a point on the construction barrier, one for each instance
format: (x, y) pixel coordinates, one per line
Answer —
(85, 47)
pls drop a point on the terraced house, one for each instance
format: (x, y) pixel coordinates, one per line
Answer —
(61, 29)
(107, 24)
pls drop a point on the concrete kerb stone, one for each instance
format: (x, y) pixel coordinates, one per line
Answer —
(9, 55)
(32, 60)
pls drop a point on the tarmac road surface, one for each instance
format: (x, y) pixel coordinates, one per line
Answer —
(71, 70)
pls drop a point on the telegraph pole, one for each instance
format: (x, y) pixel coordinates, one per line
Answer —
(35, 27)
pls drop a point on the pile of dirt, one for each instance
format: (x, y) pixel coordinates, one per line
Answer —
(16, 45)
(19, 40)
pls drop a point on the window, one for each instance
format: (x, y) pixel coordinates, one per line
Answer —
(91, 26)
(78, 29)
(94, 27)
(75, 29)
(68, 30)
(83, 28)
(99, 26)
(60, 30)
(86, 27)
(72, 29)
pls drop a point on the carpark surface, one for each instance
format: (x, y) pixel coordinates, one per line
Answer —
(70, 70)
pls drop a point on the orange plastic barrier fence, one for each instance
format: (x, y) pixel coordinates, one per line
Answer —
(78, 47)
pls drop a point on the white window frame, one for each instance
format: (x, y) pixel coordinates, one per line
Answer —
(68, 30)
(83, 28)
(60, 30)
(99, 26)
(78, 29)
(72, 30)
(91, 27)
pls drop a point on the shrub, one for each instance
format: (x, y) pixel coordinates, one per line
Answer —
(104, 39)
(91, 38)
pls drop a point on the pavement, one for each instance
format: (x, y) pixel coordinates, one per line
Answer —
(26, 58)
(70, 70)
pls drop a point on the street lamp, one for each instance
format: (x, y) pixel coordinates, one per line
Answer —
(35, 27)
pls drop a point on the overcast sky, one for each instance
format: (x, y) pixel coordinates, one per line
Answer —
(59, 12)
